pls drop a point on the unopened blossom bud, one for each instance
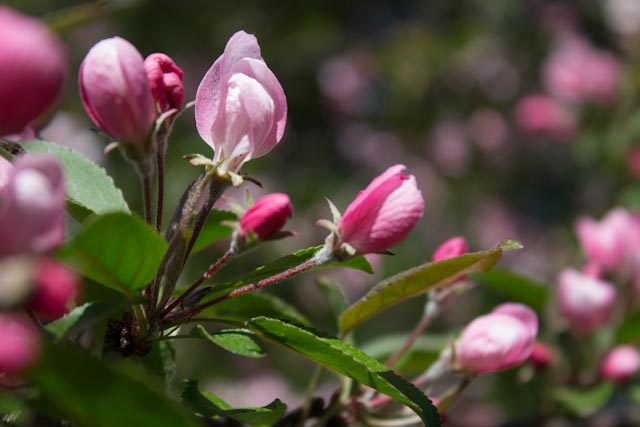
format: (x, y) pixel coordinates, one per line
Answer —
(586, 302)
(55, 288)
(19, 344)
(383, 214)
(266, 216)
(165, 79)
(541, 356)
(34, 65)
(32, 206)
(115, 91)
(241, 109)
(499, 340)
(451, 248)
(621, 363)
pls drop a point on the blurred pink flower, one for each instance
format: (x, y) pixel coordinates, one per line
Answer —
(499, 340)
(621, 363)
(56, 287)
(449, 148)
(586, 302)
(19, 344)
(34, 66)
(541, 114)
(541, 355)
(488, 128)
(383, 214)
(346, 80)
(165, 80)
(452, 247)
(267, 215)
(241, 109)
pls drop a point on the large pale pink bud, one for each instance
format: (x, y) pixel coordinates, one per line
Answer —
(19, 344)
(586, 302)
(241, 109)
(267, 215)
(452, 247)
(611, 243)
(34, 65)
(165, 78)
(383, 214)
(56, 287)
(115, 90)
(621, 363)
(499, 340)
(32, 206)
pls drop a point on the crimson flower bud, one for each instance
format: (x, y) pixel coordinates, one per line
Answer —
(19, 344)
(383, 214)
(621, 363)
(115, 91)
(55, 287)
(165, 79)
(34, 65)
(541, 355)
(267, 215)
(451, 248)
(499, 340)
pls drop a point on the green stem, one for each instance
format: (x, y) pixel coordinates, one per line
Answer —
(160, 186)
(431, 312)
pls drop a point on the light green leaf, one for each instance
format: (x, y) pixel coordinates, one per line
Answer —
(117, 250)
(237, 341)
(585, 402)
(417, 281)
(346, 360)
(254, 304)
(629, 330)
(209, 405)
(80, 319)
(214, 229)
(515, 287)
(89, 189)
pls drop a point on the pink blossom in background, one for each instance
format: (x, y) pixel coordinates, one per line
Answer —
(383, 214)
(34, 198)
(345, 81)
(488, 128)
(541, 355)
(586, 302)
(34, 66)
(19, 344)
(541, 114)
(499, 340)
(115, 91)
(267, 215)
(452, 247)
(56, 287)
(621, 363)
(241, 109)
(448, 147)
(165, 79)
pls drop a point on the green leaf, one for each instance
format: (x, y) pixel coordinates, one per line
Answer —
(287, 262)
(117, 250)
(80, 319)
(585, 402)
(425, 350)
(254, 304)
(238, 341)
(87, 392)
(209, 405)
(89, 189)
(346, 360)
(417, 281)
(629, 330)
(161, 361)
(515, 287)
(333, 295)
(213, 229)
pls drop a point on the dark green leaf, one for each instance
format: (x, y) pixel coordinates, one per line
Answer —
(238, 341)
(514, 287)
(419, 280)
(89, 188)
(346, 360)
(88, 393)
(117, 250)
(80, 319)
(254, 304)
(585, 402)
(213, 229)
(629, 330)
(210, 406)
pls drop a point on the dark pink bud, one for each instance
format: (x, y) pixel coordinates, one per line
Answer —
(19, 344)
(541, 355)
(165, 79)
(115, 90)
(34, 65)
(56, 287)
(543, 115)
(267, 215)
(453, 247)
(621, 363)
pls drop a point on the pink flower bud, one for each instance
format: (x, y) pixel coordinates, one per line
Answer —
(241, 109)
(34, 65)
(586, 302)
(115, 90)
(542, 115)
(56, 287)
(165, 79)
(612, 242)
(19, 344)
(541, 356)
(267, 215)
(621, 363)
(499, 340)
(453, 247)
(383, 214)
(32, 206)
